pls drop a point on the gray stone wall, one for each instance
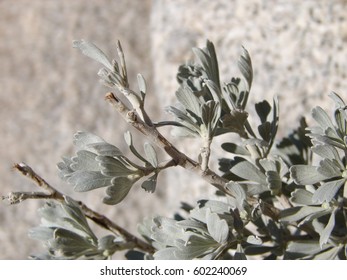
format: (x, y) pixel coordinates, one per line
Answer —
(49, 90)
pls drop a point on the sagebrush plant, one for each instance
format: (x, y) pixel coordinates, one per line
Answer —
(275, 199)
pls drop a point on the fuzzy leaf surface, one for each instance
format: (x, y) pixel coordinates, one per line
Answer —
(247, 170)
(305, 174)
(151, 154)
(325, 234)
(92, 51)
(327, 191)
(149, 185)
(88, 180)
(118, 190)
(217, 227)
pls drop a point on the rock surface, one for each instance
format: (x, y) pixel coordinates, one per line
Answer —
(49, 90)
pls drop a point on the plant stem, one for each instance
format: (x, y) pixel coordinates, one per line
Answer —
(157, 138)
(101, 220)
(27, 171)
(205, 153)
(106, 223)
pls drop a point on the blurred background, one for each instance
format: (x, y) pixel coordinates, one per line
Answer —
(48, 90)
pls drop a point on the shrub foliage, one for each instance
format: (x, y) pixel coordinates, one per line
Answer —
(275, 198)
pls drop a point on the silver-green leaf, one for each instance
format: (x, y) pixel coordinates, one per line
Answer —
(248, 171)
(239, 195)
(305, 174)
(245, 66)
(115, 167)
(325, 234)
(301, 197)
(118, 191)
(217, 227)
(298, 213)
(327, 191)
(141, 83)
(189, 100)
(88, 180)
(92, 51)
(150, 184)
(151, 154)
(322, 118)
(85, 160)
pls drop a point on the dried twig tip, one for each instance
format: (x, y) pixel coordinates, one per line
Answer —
(110, 96)
(23, 168)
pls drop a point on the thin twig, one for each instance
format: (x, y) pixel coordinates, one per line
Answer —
(18, 197)
(101, 220)
(27, 171)
(106, 223)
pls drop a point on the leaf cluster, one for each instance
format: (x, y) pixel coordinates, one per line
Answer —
(66, 234)
(98, 164)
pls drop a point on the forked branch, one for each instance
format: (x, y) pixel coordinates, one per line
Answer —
(52, 193)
